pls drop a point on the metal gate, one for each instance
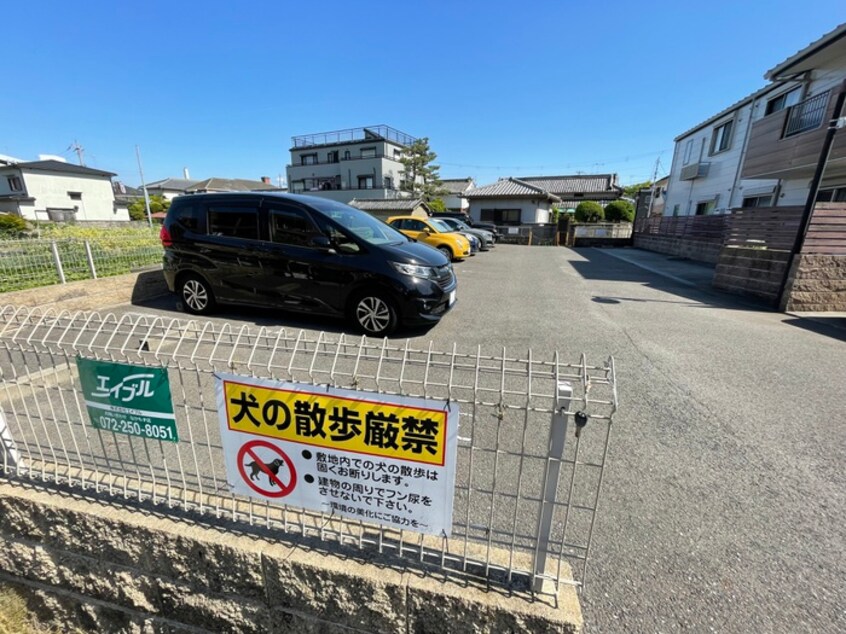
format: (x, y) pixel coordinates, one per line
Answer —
(533, 438)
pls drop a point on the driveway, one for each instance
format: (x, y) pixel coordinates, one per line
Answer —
(723, 505)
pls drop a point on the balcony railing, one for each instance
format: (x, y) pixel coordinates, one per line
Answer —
(297, 188)
(341, 159)
(806, 115)
(370, 133)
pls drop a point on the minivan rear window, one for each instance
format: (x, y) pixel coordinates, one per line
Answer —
(189, 217)
(233, 222)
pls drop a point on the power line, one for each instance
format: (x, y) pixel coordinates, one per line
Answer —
(592, 164)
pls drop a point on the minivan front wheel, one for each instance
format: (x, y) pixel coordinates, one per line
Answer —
(374, 313)
(196, 295)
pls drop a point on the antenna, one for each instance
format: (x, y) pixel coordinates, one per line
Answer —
(80, 151)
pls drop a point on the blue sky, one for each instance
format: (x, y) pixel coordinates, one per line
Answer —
(500, 88)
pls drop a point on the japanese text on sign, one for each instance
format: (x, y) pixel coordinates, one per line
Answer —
(332, 421)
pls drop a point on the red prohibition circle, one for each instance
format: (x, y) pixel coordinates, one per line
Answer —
(248, 450)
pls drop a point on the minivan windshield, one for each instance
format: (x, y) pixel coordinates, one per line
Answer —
(359, 223)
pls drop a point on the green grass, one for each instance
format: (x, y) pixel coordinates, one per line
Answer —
(29, 263)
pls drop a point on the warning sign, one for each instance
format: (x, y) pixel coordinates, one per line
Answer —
(384, 459)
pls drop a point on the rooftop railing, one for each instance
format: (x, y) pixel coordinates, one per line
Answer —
(374, 133)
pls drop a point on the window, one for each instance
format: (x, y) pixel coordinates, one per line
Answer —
(688, 150)
(332, 157)
(346, 155)
(368, 152)
(75, 195)
(784, 100)
(758, 201)
(706, 207)
(836, 195)
(675, 210)
(501, 216)
(15, 183)
(365, 182)
(234, 222)
(189, 217)
(389, 182)
(397, 155)
(721, 139)
(308, 159)
(289, 225)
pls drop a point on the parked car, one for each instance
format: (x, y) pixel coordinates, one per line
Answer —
(304, 254)
(475, 224)
(486, 238)
(433, 233)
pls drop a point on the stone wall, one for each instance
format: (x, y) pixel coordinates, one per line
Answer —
(817, 283)
(692, 249)
(752, 272)
(82, 563)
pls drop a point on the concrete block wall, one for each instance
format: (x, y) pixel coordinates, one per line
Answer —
(85, 564)
(817, 283)
(693, 249)
(749, 271)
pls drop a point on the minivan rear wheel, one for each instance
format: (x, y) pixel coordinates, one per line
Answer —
(374, 314)
(196, 295)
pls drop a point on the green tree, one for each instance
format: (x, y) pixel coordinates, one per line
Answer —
(630, 191)
(12, 226)
(437, 205)
(589, 211)
(619, 211)
(421, 177)
(138, 211)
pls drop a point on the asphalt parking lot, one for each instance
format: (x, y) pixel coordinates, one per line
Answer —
(723, 504)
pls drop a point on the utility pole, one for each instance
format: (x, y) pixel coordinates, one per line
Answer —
(144, 187)
(80, 151)
(652, 193)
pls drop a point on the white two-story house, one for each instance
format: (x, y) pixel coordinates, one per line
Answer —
(348, 164)
(59, 191)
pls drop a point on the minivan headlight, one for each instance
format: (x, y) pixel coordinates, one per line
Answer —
(426, 272)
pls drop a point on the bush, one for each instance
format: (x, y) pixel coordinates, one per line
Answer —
(619, 211)
(589, 211)
(437, 205)
(12, 226)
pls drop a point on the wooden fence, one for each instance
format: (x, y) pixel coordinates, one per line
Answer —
(827, 231)
(772, 228)
(702, 228)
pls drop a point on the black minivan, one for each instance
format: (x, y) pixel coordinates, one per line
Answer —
(304, 254)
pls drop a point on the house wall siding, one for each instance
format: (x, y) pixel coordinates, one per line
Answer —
(531, 211)
(50, 190)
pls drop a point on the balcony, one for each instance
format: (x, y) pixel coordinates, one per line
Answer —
(352, 135)
(341, 159)
(334, 184)
(787, 143)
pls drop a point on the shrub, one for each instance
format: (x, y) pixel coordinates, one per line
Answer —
(619, 211)
(437, 205)
(589, 211)
(12, 226)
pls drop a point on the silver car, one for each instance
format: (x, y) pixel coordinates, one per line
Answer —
(485, 237)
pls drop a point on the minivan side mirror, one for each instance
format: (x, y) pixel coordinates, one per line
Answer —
(322, 242)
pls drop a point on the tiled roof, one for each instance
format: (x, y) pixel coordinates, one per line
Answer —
(456, 185)
(60, 166)
(510, 188)
(229, 185)
(390, 204)
(586, 183)
(177, 184)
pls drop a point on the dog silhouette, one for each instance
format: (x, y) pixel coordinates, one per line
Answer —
(256, 470)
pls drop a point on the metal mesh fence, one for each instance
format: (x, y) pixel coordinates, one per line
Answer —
(508, 403)
(35, 262)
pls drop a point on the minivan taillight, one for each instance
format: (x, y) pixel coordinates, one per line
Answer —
(164, 236)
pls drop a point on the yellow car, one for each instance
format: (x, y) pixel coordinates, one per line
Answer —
(433, 232)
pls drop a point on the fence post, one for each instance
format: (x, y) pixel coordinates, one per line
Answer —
(90, 258)
(58, 262)
(557, 437)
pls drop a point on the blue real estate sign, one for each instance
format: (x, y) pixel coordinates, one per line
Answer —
(128, 399)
